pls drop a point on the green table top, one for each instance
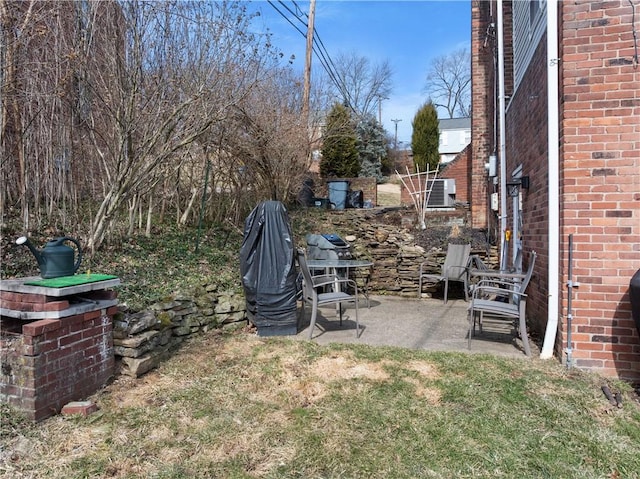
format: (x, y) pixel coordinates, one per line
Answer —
(65, 281)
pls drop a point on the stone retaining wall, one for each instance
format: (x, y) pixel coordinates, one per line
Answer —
(142, 340)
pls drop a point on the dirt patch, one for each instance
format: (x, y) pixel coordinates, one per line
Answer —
(338, 367)
(440, 236)
(429, 394)
(424, 368)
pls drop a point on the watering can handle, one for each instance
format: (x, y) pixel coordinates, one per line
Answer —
(79, 260)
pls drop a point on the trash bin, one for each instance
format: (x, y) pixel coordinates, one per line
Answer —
(268, 271)
(338, 193)
(306, 196)
(634, 296)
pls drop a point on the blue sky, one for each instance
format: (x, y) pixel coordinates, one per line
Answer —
(409, 34)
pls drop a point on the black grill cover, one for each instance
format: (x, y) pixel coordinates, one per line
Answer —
(267, 266)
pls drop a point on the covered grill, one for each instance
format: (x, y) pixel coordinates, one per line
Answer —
(327, 246)
(267, 267)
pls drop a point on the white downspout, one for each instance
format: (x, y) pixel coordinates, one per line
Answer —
(503, 141)
(554, 183)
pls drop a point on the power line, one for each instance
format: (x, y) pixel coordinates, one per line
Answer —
(320, 50)
(287, 18)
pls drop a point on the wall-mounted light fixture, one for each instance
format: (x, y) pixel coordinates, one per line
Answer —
(513, 186)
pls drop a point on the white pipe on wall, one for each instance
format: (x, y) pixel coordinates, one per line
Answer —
(554, 183)
(503, 147)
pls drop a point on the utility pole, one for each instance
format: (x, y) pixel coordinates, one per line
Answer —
(380, 98)
(395, 143)
(307, 66)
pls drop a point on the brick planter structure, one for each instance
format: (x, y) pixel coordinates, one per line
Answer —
(56, 344)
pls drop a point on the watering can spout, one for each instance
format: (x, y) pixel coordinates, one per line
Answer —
(25, 241)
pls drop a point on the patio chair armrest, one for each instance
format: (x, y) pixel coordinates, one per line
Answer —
(324, 279)
(487, 289)
(422, 267)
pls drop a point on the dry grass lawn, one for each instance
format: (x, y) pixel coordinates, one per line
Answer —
(240, 406)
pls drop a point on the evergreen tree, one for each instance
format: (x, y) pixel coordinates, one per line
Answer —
(339, 154)
(371, 147)
(425, 138)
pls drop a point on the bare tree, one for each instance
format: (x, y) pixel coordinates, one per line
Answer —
(123, 107)
(169, 72)
(34, 87)
(449, 83)
(361, 84)
(270, 139)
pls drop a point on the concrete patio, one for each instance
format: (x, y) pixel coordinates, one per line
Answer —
(414, 323)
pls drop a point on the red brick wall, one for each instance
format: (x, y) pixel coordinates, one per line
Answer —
(457, 170)
(599, 172)
(600, 180)
(526, 145)
(482, 116)
(55, 361)
(599, 183)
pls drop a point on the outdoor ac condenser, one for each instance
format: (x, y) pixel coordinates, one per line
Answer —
(443, 193)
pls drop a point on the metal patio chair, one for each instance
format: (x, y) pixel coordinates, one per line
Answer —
(312, 292)
(502, 296)
(453, 269)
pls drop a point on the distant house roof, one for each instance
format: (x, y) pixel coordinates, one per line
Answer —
(455, 123)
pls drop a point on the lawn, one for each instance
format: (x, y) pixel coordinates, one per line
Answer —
(233, 405)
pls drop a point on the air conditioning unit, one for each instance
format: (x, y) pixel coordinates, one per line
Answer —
(443, 193)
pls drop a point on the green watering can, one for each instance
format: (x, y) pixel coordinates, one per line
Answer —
(56, 259)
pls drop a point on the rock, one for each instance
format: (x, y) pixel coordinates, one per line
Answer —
(82, 408)
(136, 367)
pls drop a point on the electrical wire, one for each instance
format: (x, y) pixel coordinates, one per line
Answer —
(318, 47)
(287, 18)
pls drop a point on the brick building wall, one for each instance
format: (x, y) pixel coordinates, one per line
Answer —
(526, 146)
(483, 111)
(599, 176)
(600, 180)
(457, 169)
